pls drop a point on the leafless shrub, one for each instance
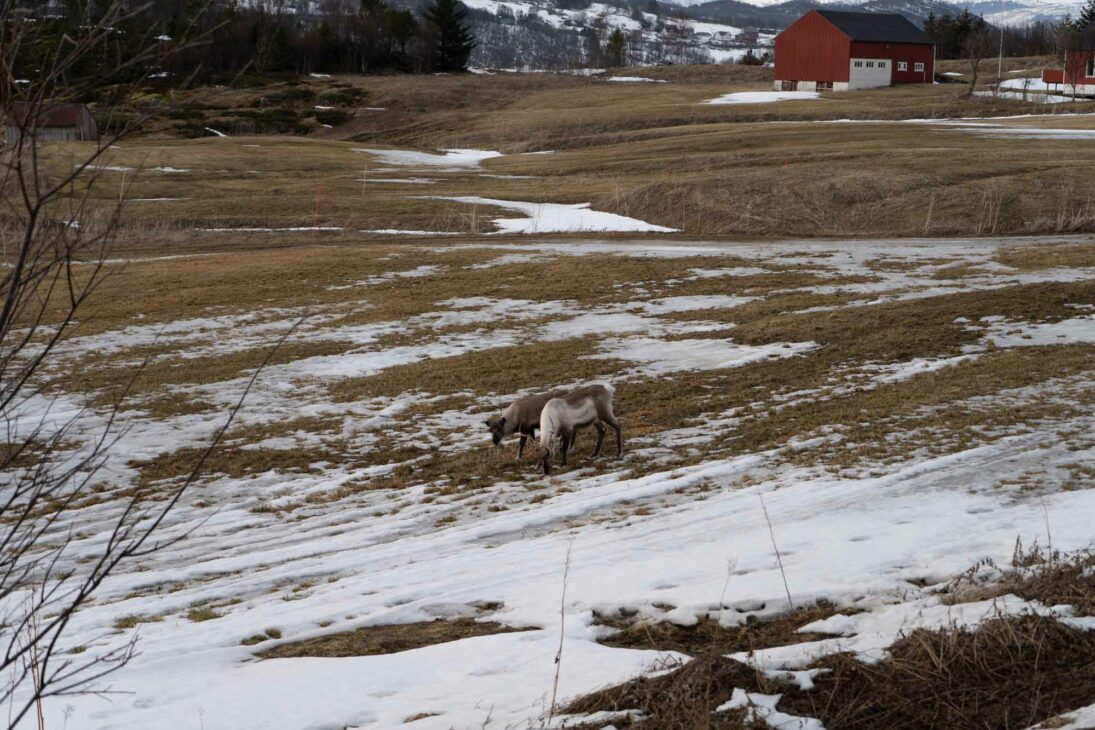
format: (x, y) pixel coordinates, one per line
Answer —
(55, 248)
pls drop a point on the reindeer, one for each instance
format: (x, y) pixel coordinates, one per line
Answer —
(523, 417)
(563, 416)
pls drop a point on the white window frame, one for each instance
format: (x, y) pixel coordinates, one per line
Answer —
(1090, 68)
(902, 65)
(882, 64)
(918, 67)
(858, 64)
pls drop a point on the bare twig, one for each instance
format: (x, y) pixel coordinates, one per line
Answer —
(562, 633)
(779, 558)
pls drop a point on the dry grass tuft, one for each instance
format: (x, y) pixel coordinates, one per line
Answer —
(1037, 574)
(684, 698)
(131, 621)
(707, 635)
(1064, 255)
(1007, 673)
(387, 639)
(202, 613)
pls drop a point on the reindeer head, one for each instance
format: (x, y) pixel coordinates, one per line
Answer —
(547, 457)
(497, 429)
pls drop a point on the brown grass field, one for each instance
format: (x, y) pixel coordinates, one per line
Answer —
(653, 151)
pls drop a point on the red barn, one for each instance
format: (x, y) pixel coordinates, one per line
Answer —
(50, 122)
(829, 49)
(1078, 76)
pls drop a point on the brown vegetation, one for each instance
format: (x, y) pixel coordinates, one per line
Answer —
(386, 639)
(654, 151)
(1006, 673)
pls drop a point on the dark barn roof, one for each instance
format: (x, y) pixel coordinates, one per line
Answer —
(48, 115)
(876, 27)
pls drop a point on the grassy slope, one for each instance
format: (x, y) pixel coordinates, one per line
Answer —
(652, 151)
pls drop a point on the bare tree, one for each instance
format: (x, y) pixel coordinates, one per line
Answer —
(1075, 47)
(975, 48)
(55, 238)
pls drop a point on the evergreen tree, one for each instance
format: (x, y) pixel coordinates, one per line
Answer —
(1087, 16)
(594, 52)
(454, 41)
(616, 49)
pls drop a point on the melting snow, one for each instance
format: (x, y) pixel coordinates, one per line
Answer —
(1078, 330)
(635, 79)
(658, 356)
(453, 158)
(762, 97)
(559, 218)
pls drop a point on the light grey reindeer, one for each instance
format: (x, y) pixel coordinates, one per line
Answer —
(563, 416)
(521, 417)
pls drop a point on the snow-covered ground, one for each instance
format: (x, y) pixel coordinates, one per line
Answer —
(451, 159)
(558, 218)
(674, 541)
(762, 97)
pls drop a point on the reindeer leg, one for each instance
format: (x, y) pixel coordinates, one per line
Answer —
(568, 438)
(600, 438)
(619, 437)
(521, 447)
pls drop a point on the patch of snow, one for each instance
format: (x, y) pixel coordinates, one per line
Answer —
(657, 356)
(1080, 719)
(694, 303)
(452, 158)
(763, 97)
(635, 79)
(1036, 97)
(897, 372)
(1078, 330)
(876, 630)
(559, 218)
(763, 707)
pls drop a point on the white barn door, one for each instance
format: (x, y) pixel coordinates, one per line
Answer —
(869, 73)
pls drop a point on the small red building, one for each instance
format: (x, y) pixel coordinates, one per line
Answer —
(1078, 75)
(49, 122)
(829, 49)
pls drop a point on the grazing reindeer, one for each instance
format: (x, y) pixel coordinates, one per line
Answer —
(562, 417)
(522, 417)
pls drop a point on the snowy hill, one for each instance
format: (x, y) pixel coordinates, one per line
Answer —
(780, 12)
(562, 34)
(1004, 12)
(540, 34)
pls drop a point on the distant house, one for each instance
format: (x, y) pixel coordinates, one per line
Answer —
(829, 49)
(748, 36)
(1078, 75)
(52, 122)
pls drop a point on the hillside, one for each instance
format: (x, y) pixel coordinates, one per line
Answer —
(545, 34)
